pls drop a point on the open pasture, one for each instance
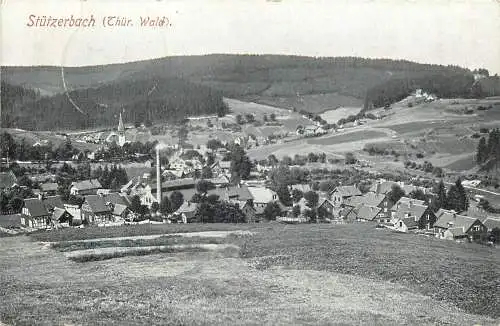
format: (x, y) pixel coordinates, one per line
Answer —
(350, 274)
(347, 137)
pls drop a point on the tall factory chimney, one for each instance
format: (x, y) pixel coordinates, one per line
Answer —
(158, 175)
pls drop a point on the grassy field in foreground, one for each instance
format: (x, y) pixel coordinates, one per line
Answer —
(467, 275)
(283, 274)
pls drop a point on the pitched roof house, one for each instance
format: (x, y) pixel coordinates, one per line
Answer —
(422, 214)
(341, 193)
(34, 214)
(405, 224)
(95, 210)
(186, 212)
(50, 188)
(326, 209)
(363, 212)
(491, 223)
(85, 187)
(262, 196)
(451, 225)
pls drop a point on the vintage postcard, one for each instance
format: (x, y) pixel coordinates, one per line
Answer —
(250, 162)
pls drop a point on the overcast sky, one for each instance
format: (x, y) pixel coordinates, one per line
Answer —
(459, 32)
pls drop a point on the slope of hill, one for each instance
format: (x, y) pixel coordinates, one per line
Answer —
(140, 100)
(302, 83)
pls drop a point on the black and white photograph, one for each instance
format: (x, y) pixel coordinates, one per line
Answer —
(250, 162)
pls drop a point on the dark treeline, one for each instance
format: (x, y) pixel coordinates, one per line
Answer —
(488, 150)
(141, 100)
(445, 85)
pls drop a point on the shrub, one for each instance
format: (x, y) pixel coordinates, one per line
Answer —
(420, 155)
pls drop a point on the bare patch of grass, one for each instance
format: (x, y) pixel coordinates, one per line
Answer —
(131, 230)
(67, 246)
(82, 256)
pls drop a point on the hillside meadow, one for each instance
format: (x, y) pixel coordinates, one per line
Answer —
(351, 274)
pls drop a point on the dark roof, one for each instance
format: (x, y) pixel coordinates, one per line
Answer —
(49, 186)
(409, 222)
(413, 210)
(58, 213)
(321, 202)
(97, 204)
(347, 191)
(241, 192)
(36, 207)
(367, 212)
(53, 201)
(370, 199)
(119, 209)
(450, 220)
(382, 187)
(7, 179)
(87, 184)
(492, 223)
(115, 198)
(345, 211)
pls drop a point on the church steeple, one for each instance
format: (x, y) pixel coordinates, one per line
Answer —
(121, 128)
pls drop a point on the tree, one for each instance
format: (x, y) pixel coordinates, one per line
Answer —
(165, 206)
(495, 235)
(272, 160)
(273, 117)
(239, 119)
(214, 144)
(7, 145)
(417, 194)
(457, 197)
(15, 204)
(250, 118)
(265, 118)
(197, 198)
(284, 195)
(176, 199)
(286, 160)
(312, 198)
(203, 186)
(206, 172)
(396, 193)
(482, 151)
(155, 207)
(297, 195)
(271, 211)
(441, 200)
(240, 163)
(135, 204)
(462, 196)
(350, 158)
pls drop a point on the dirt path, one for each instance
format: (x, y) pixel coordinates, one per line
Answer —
(203, 234)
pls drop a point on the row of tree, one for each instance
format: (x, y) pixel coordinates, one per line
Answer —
(141, 100)
(443, 85)
(488, 151)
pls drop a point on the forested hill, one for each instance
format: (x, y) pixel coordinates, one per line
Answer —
(303, 83)
(139, 100)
